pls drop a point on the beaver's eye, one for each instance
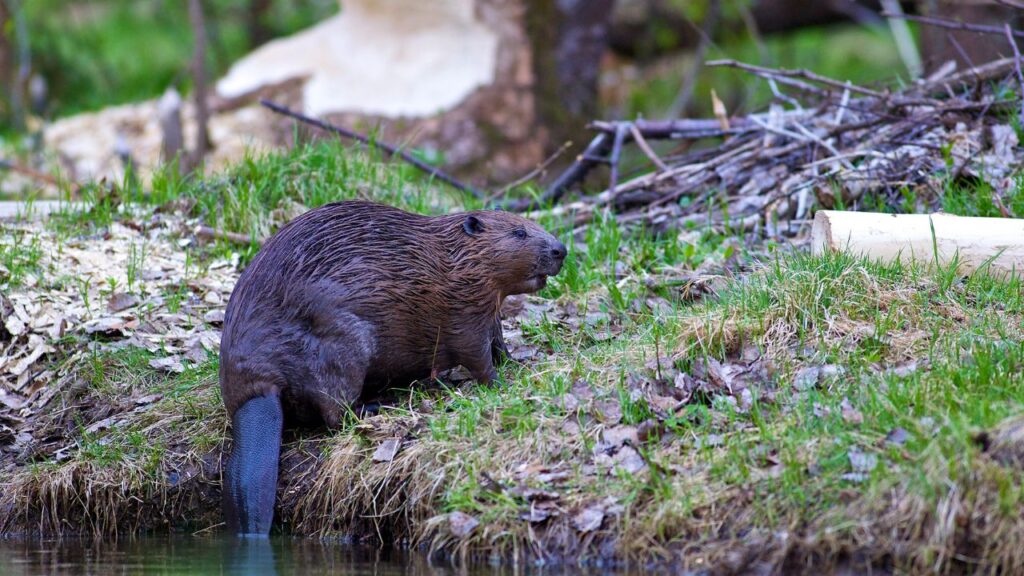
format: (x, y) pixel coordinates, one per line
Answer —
(519, 233)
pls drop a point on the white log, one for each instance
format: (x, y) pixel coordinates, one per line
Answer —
(995, 243)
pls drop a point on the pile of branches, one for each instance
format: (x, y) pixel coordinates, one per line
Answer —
(822, 143)
(846, 142)
(839, 144)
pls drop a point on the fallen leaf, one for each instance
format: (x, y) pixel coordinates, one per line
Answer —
(39, 348)
(807, 378)
(851, 414)
(108, 326)
(897, 436)
(569, 403)
(15, 327)
(589, 519)
(582, 390)
(168, 364)
(718, 108)
(215, 316)
(148, 399)
(122, 301)
(860, 461)
(461, 524)
(537, 514)
(619, 435)
(534, 494)
(387, 450)
(629, 460)
(709, 441)
(608, 411)
(523, 352)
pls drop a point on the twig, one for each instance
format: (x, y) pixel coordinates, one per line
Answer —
(781, 74)
(616, 155)
(641, 142)
(387, 148)
(769, 74)
(904, 39)
(536, 172)
(953, 24)
(778, 94)
(694, 128)
(1016, 64)
(37, 175)
(597, 148)
(960, 50)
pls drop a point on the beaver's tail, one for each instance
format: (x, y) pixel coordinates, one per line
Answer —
(250, 474)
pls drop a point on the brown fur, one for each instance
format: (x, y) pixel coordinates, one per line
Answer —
(356, 293)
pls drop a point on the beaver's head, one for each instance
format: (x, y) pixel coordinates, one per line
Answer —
(515, 254)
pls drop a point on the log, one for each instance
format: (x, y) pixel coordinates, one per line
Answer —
(995, 244)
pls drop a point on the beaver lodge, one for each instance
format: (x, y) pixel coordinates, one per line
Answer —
(693, 390)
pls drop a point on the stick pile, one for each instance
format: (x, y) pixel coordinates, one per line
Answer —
(839, 144)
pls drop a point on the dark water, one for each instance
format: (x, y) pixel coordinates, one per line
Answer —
(214, 555)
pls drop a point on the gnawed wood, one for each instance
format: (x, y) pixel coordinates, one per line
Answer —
(993, 244)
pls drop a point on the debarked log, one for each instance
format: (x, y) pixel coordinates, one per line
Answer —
(995, 245)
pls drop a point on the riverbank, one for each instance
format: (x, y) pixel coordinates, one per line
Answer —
(689, 399)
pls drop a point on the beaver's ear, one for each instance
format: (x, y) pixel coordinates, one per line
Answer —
(472, 225)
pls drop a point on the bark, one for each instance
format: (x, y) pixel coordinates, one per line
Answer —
(256, 22)
(202, 143)
(568, 39)
(6, 61)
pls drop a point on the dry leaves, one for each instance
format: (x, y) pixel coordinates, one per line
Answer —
(125, 288)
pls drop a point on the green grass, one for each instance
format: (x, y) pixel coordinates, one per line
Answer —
(914, 363)
(20, 254)
(96, 53)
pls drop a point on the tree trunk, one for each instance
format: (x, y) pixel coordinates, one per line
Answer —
(6, 63)
(202, 143)
(255, 22)
(568, 39)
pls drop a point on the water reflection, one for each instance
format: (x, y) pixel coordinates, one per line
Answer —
(212, 555)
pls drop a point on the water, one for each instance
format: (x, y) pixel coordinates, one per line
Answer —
(212, 555)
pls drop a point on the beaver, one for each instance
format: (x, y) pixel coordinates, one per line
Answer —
(354, 297)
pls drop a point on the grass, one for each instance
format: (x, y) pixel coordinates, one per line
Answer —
(816, 409)
(89, 51)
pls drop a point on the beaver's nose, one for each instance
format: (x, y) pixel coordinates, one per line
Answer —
(558, 250)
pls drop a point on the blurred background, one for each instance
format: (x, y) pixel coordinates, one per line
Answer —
(486, 88)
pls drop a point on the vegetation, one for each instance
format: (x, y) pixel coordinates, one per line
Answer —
(98, 53)
(806, 409)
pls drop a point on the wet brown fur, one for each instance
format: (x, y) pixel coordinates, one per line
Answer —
(358, 294)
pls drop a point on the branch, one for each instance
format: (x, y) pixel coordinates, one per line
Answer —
(1016, 63)
(538, 171)
(953, 24)
(590, 157)
(386, 148)
(646, 148)
(37, 175)
(782, 75)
